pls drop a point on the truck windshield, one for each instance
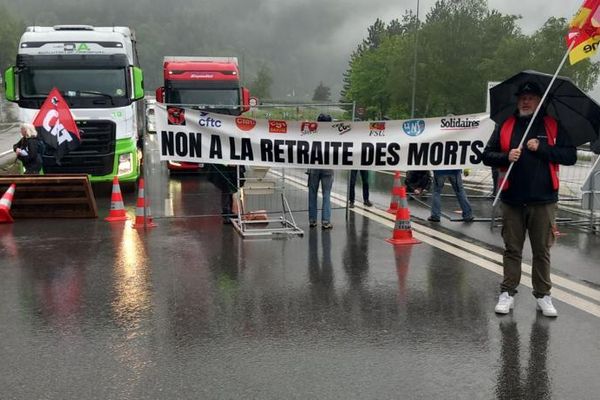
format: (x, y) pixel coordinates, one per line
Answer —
(106, 83)
(206, 97)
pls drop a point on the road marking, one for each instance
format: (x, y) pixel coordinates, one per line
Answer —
(477, 255)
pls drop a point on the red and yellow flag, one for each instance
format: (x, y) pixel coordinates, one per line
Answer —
(584, 31)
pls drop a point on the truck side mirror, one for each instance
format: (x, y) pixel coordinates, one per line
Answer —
(9, 84)
(160, 94)
(138, 83)
(245, 99)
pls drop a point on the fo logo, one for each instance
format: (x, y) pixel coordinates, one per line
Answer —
(413, 127)
(308, 128)
(245, 124)
(176, 116)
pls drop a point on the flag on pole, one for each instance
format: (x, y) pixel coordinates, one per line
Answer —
(56, 126)
(584, 32)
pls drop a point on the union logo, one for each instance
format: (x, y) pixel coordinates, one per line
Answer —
(176, 116)
(277, 126)
(245, 124)
(413, 127)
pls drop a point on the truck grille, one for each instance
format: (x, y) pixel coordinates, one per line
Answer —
(95, 155)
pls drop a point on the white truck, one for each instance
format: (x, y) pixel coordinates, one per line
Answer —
(97, 71)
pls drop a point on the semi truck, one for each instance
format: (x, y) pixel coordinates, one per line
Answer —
(97, 71)
(209, 83)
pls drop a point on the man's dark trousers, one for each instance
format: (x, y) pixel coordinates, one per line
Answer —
(538, 220)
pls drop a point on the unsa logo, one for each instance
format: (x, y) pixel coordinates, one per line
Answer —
(413, 127)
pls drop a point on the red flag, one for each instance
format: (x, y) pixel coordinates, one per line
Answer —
(584, 33)
(56, 125)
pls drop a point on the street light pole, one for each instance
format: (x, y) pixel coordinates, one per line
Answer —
(414, 74)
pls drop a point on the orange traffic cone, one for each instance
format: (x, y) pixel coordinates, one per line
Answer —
(117, 208)
(402, 231)
(395, 194)
(5, 203)
(142, 221)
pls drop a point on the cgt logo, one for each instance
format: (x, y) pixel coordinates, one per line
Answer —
(245, 124)
(377, 129)
(413, 127)
(208, 121)
(277, 126)
(308, 128)
(342, 127)
(176, 116)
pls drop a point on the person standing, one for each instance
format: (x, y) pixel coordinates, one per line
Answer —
(225, 177)
(28, 150)
(530, 194)
(455, 178)
(324, 177)
(364, 177)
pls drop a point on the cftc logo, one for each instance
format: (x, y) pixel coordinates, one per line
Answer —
(413, 127)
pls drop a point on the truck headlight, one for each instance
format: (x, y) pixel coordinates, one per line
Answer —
(125, 166)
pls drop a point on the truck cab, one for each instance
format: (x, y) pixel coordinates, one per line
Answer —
(96, 69)
(210, 83)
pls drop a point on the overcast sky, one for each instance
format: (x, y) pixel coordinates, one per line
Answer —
(307, 41)
(345, 30)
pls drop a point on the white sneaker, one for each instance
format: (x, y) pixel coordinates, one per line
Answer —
(505, 303)
(545, 304)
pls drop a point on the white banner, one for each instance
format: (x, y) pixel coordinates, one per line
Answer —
(417, 144)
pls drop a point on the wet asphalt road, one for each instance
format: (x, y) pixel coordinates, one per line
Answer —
(189, 310)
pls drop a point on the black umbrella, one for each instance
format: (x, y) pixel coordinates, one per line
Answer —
(577, 112)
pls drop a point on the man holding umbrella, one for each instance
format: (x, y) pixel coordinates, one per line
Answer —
(530, 193)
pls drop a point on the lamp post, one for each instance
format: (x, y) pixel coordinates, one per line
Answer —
(414, 74)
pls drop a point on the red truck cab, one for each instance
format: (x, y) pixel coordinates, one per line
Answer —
(208, 83)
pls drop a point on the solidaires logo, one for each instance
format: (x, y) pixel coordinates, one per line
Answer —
(413, 127)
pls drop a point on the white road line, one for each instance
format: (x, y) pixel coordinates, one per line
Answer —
(475, 255)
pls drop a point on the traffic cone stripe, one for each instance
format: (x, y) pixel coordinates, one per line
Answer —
(402, 225)
(116, 205)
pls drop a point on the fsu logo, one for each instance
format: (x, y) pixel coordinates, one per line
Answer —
(245, 124)
(277, 126)
(308, 128)
(176, 116)
(377, 129)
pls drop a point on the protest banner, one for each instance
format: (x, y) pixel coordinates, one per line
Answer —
(417, 144)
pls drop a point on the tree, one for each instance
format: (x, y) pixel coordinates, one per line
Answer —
(261, 85)
(322, 93)
(10, 32)
(462, 45)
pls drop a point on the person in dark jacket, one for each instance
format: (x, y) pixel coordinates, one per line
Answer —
(28, 150)
(530, 193)
(417, 182)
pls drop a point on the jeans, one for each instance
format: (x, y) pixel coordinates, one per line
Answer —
(326, 180)
(457, 185)
(364, 177)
